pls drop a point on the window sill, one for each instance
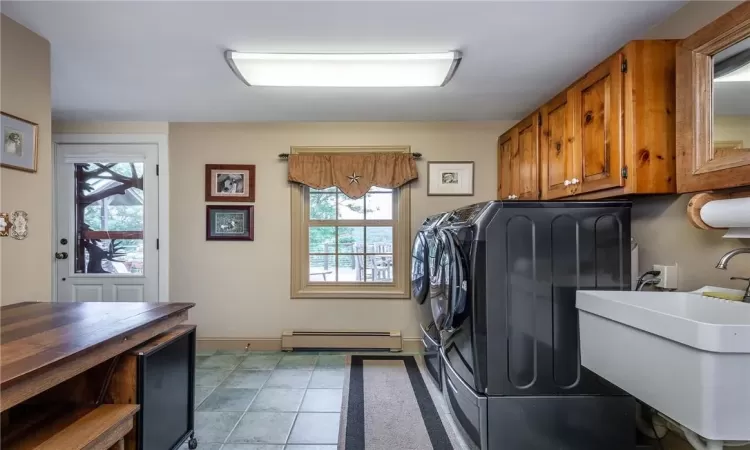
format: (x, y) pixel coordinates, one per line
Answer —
(330, 292)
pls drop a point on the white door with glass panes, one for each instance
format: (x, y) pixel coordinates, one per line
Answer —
(107, 207)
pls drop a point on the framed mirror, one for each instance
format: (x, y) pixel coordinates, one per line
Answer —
(713, 105)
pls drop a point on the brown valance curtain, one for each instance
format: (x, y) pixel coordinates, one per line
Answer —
(353, 173)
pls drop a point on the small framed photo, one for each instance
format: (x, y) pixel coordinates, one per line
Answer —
(450, 178)
(20, 141)
(230, 223)
(4, 224)
(230, 183)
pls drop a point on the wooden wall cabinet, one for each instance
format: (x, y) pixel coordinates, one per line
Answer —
(518, 161)
(556, 148)
(611, 133)
(700, 165)
(596, 101)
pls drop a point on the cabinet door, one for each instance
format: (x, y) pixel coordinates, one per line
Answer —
(505, 168)
(597, 100)
(526, 158)
(555, 147)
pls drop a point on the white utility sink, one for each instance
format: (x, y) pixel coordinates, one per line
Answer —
(684, 354)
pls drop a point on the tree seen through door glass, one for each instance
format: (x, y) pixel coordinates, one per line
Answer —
(109, 200)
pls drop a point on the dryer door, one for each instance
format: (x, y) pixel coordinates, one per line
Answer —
(439, 301)
(449, 301)
(420, 272)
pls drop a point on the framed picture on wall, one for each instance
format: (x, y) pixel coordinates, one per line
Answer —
(19, 143)
(230, 223)
(450, 178)
(230, 183)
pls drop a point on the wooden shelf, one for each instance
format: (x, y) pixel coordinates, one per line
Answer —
(82, 428)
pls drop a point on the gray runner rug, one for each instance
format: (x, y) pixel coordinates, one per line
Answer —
(388, 406)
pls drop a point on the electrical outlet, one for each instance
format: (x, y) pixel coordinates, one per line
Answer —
(668, 276)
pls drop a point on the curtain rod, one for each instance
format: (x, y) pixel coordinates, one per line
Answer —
(286, 155)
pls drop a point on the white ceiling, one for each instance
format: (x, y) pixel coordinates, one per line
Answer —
(142, 60)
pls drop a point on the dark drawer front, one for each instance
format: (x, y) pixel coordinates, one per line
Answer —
(432, 359)
(468, 408)
(561, 423)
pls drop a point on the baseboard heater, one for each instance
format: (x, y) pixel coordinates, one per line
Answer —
(354, 340)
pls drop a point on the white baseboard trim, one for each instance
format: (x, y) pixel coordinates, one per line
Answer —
(410, 345)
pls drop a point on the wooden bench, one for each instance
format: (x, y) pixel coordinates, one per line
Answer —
(86, 428)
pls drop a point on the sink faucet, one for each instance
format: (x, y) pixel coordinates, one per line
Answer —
(722, 264)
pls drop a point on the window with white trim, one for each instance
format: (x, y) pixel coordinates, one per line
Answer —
(350, 248)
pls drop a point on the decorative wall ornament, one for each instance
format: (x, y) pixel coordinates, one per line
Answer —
(230, 223)
(354, 173)
(450, 178)
(230, 183)
(20, 142)
(4, 224)
(19, 225)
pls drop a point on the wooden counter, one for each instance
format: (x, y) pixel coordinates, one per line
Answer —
(45, 344)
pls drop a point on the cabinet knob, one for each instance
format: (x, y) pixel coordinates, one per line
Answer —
(575, 181)
(567, 182)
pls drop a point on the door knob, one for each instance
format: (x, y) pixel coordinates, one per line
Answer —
(61, 255)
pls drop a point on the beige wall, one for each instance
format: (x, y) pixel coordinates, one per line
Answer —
(242, 288)
(25, 92)
(732, 128)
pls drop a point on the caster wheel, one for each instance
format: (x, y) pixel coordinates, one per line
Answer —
(193, 444)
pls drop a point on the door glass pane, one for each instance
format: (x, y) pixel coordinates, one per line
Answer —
(109, 201)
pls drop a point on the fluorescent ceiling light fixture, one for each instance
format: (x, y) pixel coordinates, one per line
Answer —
(740, 74)
(344, 69)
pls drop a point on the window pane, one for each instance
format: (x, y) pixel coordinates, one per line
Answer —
(330, 189)
(379, 206)
(380, 189)
(350, 209)
(322, 239)
(351, 239)
(348, 268)
(322, 268)
(127, 256)
(379, 239)
(380, 269)
(109, 200)
(323, 206)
